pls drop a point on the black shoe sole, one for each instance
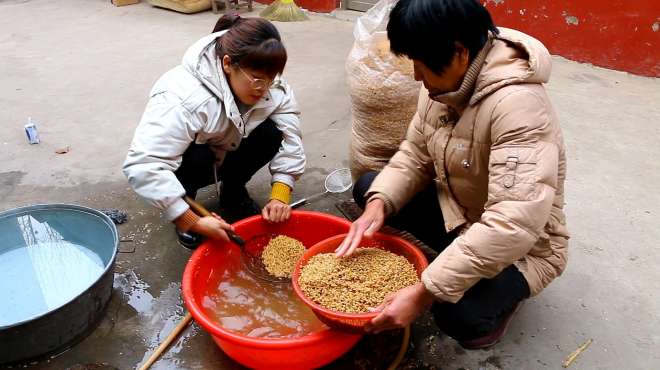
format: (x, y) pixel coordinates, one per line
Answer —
(190, 247)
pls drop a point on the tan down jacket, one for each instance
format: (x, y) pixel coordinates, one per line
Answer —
(499, 167)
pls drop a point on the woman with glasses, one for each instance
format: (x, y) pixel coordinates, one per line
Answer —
(218, 117)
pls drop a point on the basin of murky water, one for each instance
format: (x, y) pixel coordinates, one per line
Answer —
(259, 325)
(247, 305)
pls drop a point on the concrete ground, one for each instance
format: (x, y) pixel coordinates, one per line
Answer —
(83, 68)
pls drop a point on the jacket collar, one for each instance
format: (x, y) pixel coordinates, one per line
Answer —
(514, 58)
(459, 99)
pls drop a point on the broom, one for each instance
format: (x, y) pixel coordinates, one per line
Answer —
(283, 11)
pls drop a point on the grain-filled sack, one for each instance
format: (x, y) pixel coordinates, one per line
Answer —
(383, 92)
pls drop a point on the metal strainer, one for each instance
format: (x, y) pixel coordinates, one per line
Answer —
(251, 261)
(338, 181)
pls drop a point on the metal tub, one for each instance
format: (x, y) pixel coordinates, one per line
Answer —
(56, 272)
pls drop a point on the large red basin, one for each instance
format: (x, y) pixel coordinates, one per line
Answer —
(212, 257)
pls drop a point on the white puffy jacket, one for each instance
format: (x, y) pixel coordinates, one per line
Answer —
(193, 103)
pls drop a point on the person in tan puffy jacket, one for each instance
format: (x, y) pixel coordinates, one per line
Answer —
(479, 176)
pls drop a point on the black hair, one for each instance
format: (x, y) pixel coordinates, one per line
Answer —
(252, 43)
(428, 30)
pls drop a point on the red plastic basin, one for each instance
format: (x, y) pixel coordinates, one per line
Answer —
(355, 322)
(211, 258)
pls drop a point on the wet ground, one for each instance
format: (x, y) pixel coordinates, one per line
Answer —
(82, 69)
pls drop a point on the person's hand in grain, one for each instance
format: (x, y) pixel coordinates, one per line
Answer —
(371, 221)
(400, 309)
(213, 227)
(276, 211)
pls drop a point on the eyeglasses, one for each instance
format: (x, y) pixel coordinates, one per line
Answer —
(257, 83)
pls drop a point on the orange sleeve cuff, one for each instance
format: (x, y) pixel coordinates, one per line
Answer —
(186, 220)
(281, 192)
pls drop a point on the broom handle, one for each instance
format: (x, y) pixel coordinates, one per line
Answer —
(166, 343)
(196, 207)
(201, 211)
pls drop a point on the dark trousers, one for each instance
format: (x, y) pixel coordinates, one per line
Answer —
(486, 304)
(238, 167)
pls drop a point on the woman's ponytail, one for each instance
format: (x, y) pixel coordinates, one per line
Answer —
(226, 22)
(252, 43)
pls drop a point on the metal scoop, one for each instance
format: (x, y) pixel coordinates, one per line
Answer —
(252, 262)
(338, 181)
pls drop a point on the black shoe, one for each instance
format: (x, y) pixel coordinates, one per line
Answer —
(236, 204)
(494, 337)
(189, 240)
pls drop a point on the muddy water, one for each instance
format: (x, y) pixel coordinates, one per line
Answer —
(246, 305)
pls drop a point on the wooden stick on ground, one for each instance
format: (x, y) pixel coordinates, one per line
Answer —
(166, 343)
(569, 360)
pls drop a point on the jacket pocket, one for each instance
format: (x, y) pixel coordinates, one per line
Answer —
(512, 173)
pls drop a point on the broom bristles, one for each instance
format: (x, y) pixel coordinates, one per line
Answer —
(283, 11)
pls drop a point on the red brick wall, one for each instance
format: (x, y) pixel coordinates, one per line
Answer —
(617, 34)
